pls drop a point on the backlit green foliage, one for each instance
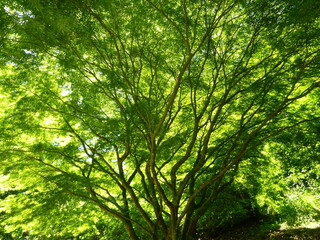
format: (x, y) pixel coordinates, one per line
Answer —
(141, 117)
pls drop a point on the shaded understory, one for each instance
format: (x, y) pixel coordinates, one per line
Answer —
(262, 231)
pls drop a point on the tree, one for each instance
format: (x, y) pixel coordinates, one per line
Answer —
(146, 108)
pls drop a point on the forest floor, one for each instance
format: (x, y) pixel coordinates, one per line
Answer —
(262, 231)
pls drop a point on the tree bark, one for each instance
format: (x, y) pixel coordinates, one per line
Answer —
(130, 230)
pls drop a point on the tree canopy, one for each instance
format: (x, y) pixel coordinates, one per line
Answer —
(148, 110)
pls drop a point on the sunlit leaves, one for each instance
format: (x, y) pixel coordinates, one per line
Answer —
(146, 109)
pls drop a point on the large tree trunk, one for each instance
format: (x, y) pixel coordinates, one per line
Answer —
(131, 231)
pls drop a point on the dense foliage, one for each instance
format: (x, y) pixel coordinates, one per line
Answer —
(159, 117)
